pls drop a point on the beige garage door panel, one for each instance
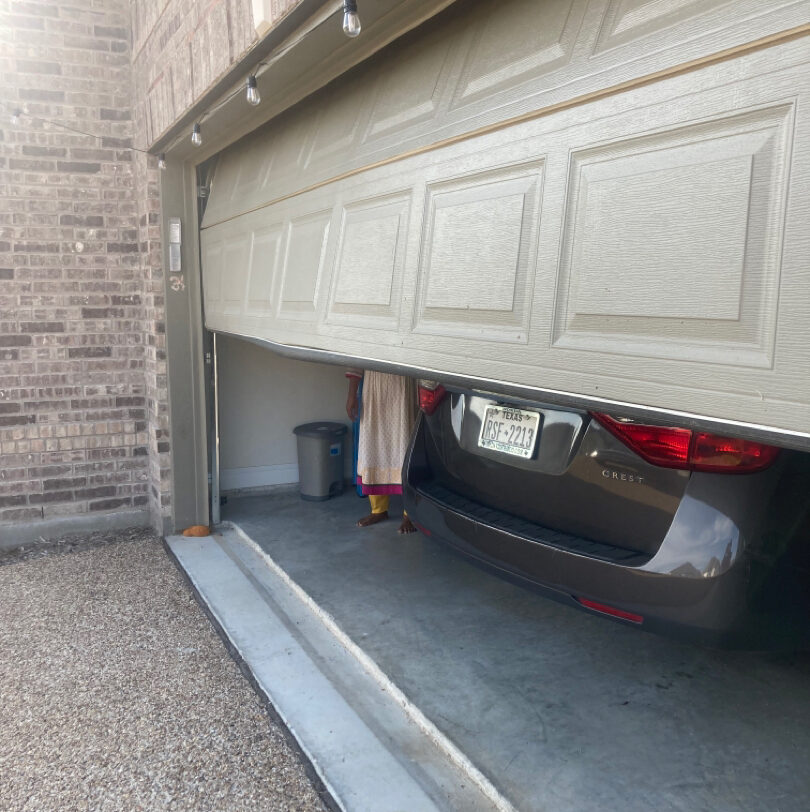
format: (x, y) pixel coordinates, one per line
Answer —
(649, 247)
(482, 62)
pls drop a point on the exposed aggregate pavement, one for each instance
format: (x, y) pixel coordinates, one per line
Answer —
(117, 694)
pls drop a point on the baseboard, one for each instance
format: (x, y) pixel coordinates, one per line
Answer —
(234, 479)
(15, 535)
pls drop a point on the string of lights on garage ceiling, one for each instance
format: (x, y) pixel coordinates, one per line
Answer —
(351, 27)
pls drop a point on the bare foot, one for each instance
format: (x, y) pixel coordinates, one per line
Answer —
(372, 518)
(407, 526)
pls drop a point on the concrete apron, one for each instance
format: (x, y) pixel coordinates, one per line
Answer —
(532, 702)
(373, 749)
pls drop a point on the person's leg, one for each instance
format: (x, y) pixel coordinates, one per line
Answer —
(407, 526)
(379, 510)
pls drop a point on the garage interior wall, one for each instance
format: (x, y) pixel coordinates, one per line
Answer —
(262, 398)
(601, 200)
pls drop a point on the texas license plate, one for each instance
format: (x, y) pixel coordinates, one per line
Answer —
(510, 431)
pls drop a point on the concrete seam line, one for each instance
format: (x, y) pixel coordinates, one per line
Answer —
(238, 656)
(412, 711)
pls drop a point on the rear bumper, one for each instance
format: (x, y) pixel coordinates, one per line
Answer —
(709, 608)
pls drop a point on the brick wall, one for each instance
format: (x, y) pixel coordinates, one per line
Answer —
(84, 413)
(181, 48)
(155, 358)
(79, 320)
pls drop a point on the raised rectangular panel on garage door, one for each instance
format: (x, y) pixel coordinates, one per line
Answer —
(336, 129)
(542, 42)
(626, 20)
(413, 93)
(235, 268)
(367, 278)
(478, 254)
(304, 257)
(672, 242)
(264, 259)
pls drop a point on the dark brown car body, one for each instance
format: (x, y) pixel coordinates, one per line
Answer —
(721, 559)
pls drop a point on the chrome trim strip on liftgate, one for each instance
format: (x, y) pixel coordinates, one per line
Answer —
(750, 431)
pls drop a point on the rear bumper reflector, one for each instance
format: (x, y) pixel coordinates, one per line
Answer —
(420, 528)
(610, 610)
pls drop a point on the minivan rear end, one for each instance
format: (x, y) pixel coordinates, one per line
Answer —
(661, 527)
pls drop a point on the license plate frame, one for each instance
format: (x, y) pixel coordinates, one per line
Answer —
(503, 426)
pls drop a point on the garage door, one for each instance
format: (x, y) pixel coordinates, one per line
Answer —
(593, 202)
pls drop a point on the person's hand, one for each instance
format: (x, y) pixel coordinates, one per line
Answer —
(352, 405)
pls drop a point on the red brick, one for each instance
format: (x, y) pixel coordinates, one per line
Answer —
(90, 493)
(49, 497)
(13, 501)
(89, 352)
(77, 166)
(16, 420)
(61, 484)
(42, 327)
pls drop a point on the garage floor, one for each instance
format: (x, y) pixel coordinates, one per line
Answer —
(560, 710)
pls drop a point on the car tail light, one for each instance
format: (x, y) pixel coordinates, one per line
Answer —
(660, 445)
(431, 395)
(611, 610)
(673, 447)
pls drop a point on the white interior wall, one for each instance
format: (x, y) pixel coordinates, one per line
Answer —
(262, 397)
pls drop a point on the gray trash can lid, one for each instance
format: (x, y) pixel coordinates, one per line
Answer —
(322, 428)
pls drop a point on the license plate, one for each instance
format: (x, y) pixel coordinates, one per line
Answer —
(510, 431)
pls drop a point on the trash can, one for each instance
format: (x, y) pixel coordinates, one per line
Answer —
(320, 460)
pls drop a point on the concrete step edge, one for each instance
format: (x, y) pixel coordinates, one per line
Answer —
(453, 753)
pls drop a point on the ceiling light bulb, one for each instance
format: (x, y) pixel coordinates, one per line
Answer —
(196, 135)
(15, 117)
(162, 160)
(351, 22)
(253, 96)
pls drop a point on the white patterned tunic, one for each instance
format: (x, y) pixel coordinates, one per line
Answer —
(387, 416)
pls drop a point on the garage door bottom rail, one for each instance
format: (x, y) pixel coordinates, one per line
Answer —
(372, 748)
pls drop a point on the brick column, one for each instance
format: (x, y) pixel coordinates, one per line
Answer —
(80, 393)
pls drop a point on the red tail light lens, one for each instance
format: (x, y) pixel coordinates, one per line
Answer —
(431, 395)
(660, 445)
(713, 453)
(673, 447)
